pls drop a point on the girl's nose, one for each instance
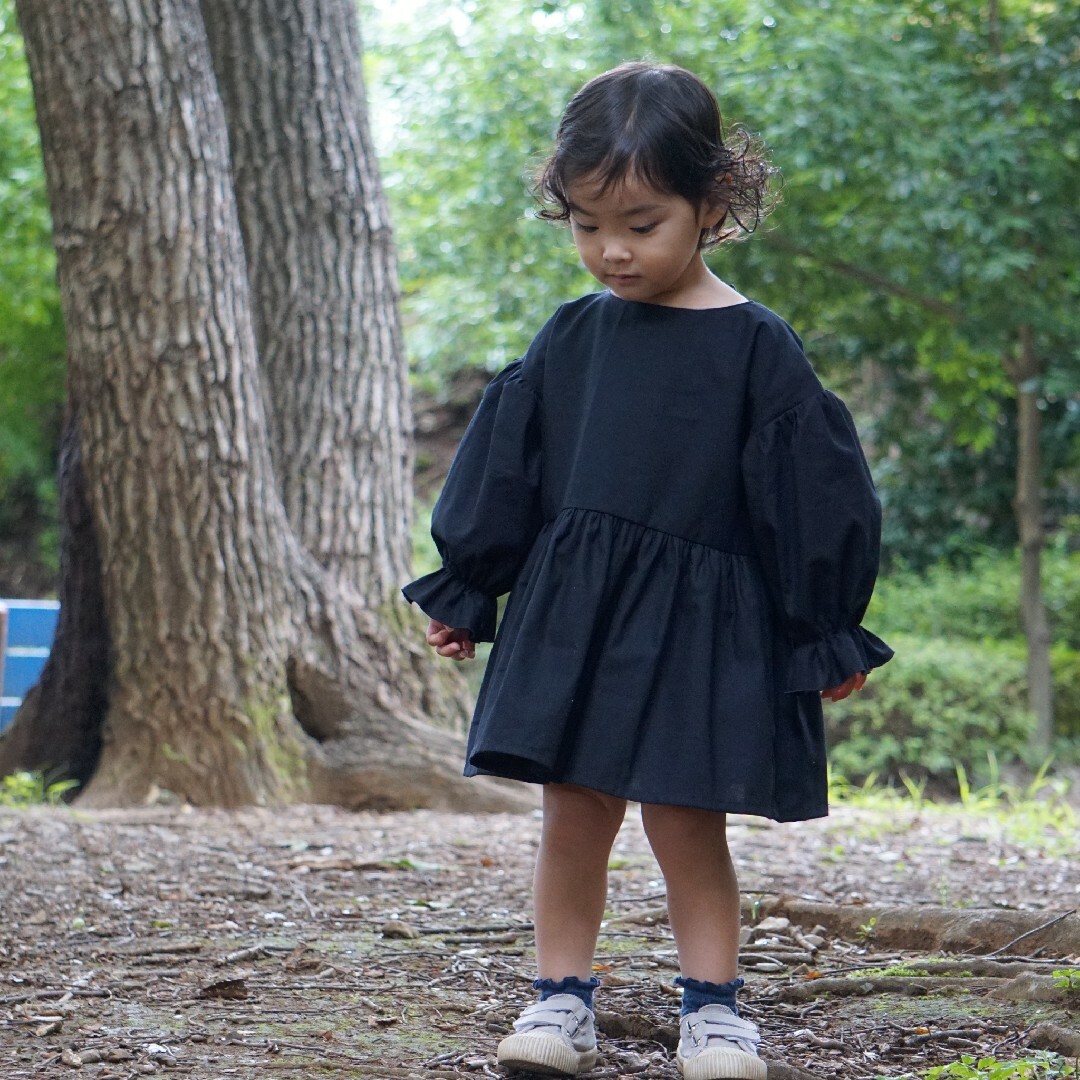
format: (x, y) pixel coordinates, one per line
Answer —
(615, 252)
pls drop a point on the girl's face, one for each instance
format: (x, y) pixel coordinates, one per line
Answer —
(643, 243)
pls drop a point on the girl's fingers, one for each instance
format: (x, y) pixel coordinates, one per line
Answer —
(438, 633)
(450, 642)
(457, 650)
(838, 693)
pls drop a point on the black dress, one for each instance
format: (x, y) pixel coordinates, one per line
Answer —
(689, 534)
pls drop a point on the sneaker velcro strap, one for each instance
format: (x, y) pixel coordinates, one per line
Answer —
(729, 1027)
(543, 1014)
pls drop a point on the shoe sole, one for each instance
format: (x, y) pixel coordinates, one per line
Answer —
(723, 1065)
(547, 1056)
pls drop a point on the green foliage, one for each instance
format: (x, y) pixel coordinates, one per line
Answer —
(947, 497)
(1040, 1065)
(479, 275)
(979, 603)
(21, 789)
(1067, 979)
(970, 621)
(1065, 672)
(31, 328)
(1037, 815)
(425, 556)
(939, 703)
(929, 209)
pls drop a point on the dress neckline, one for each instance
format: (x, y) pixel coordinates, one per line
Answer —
(670, 307)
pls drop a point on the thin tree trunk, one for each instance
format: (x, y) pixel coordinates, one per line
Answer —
(1025, 372)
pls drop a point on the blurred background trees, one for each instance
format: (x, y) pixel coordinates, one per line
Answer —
(927, 249)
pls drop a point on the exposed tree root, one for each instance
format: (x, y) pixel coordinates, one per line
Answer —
(930, 929)
(1056, 1039)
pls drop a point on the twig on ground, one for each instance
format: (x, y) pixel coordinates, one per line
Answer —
(307, 903)
(1030, 933)
(253, 952)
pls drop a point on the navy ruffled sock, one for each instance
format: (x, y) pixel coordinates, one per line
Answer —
(570, 985)
(696, 993)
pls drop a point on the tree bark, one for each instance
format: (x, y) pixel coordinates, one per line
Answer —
(322, 266)
(321, 263)
(241, 671)
(162, 368)
(1025, 371)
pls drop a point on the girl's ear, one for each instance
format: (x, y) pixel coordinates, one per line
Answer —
(716, 207)
(717, 215)
(711, 219)
(715, 210)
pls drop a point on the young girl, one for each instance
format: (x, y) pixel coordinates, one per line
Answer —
(689, 535)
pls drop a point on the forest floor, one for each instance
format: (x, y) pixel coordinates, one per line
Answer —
(314, 942)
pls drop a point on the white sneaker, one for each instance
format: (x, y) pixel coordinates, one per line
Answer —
(556, 1036)
(715, 1044)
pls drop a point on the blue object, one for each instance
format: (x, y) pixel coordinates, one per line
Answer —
(31, 623)
(30, 633)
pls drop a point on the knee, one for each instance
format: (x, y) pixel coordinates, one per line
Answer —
(580, 809)
(675, 826)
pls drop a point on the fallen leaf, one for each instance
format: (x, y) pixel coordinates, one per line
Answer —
(227, 989)
(395, 928)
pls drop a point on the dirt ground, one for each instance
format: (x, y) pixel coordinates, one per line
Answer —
(313, 942)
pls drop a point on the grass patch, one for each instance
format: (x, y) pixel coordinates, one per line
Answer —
(1037, 815)
(23, 789)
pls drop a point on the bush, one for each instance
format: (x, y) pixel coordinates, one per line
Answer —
(980, 603)
(978, 611)
(939, 703)
(1065, 666)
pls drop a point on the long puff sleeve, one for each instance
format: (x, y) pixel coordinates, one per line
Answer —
(488, 515)
(817, 521)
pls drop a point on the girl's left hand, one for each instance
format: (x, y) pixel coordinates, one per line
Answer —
(838, 693)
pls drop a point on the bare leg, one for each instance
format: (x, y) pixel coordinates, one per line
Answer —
(702, 890)
(570, 884)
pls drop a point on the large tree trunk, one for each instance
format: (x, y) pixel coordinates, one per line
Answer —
(241, 672)
(163, 371)
(1026, 371)
(321, 262)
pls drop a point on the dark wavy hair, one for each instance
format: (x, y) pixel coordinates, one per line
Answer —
(662, 125)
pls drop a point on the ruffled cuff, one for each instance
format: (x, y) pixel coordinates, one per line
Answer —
(831, 660)
(443, 596)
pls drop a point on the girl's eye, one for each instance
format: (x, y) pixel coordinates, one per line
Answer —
(643, 229)
(583, 228)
